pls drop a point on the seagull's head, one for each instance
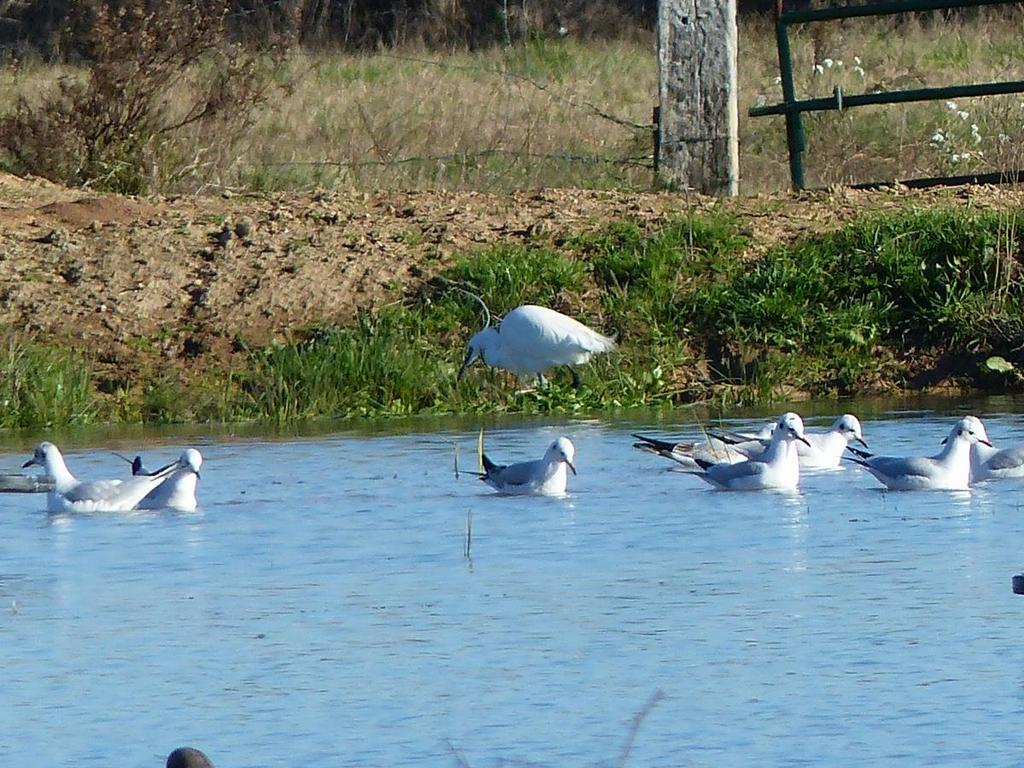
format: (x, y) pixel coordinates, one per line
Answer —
(848, 426)
(562, 450)
(190, 459)
(791, 427)
(971, 429)
(477, 347)
(45, 455)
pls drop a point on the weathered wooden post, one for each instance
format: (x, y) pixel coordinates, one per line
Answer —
(698, 126)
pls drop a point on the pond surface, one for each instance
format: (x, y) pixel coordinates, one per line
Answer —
(319, 609)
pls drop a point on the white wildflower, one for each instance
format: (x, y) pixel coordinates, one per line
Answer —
(839, 62)
(1003, 138)
(818, 69)
(856, 60)
(828, 63)
(778, 79)
(963, 115)
(954, 158)
(938, 137)
(952, 107)
(860, 71)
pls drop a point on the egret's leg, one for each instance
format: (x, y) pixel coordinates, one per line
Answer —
(576, 382)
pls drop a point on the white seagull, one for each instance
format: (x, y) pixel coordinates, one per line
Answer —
(532, 340)
(71, 495)
(545, 477)
(990, 463)
(777, 468)
(178, 491)
(948, 470)
(822, 450)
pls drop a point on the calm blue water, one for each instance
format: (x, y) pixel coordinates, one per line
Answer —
(319, 611)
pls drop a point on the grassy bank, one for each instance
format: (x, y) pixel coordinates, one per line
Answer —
(894, 301)
(565, 112)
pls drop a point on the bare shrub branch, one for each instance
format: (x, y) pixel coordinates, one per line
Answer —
(155, 70)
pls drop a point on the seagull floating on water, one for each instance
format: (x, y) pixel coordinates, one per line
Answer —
(71, 495)
(821, 450)
(777, 468)
(711, 450)
(991, 463)
(546, 477)
(178, 491)
(531, 340)
(948, 470)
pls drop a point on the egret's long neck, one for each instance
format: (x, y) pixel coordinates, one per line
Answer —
(491, 351)
(58, 471)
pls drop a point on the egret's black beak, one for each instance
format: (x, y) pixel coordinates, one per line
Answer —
(29, 463)
(802, 439)
(571, 466)
(985, 442)
(862, 441)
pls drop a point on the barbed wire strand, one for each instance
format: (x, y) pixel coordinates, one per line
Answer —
(636, 162)
(514, 77)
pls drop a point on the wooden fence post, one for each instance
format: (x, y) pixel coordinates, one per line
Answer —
(698, 126)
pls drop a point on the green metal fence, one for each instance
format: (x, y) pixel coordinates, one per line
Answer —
(793, 108)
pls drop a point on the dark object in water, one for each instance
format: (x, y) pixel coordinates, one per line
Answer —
(1018, 584)
(187, 757)
(25, 484)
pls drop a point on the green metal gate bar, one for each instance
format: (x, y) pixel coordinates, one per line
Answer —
(793, 108)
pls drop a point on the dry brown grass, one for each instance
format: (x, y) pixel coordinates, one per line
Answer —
(890, 141)
(536, 115)
(560, 112)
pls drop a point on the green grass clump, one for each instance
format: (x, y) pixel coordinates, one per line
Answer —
(643, 275)
(829, 303)
(507, 276)
(42, 386)
(381, 366)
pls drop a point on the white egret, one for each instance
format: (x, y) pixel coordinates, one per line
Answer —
(949, 470)
(71, 495)
(531, 340)
(546, 476)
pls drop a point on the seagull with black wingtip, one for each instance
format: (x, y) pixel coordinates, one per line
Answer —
(778, 468)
